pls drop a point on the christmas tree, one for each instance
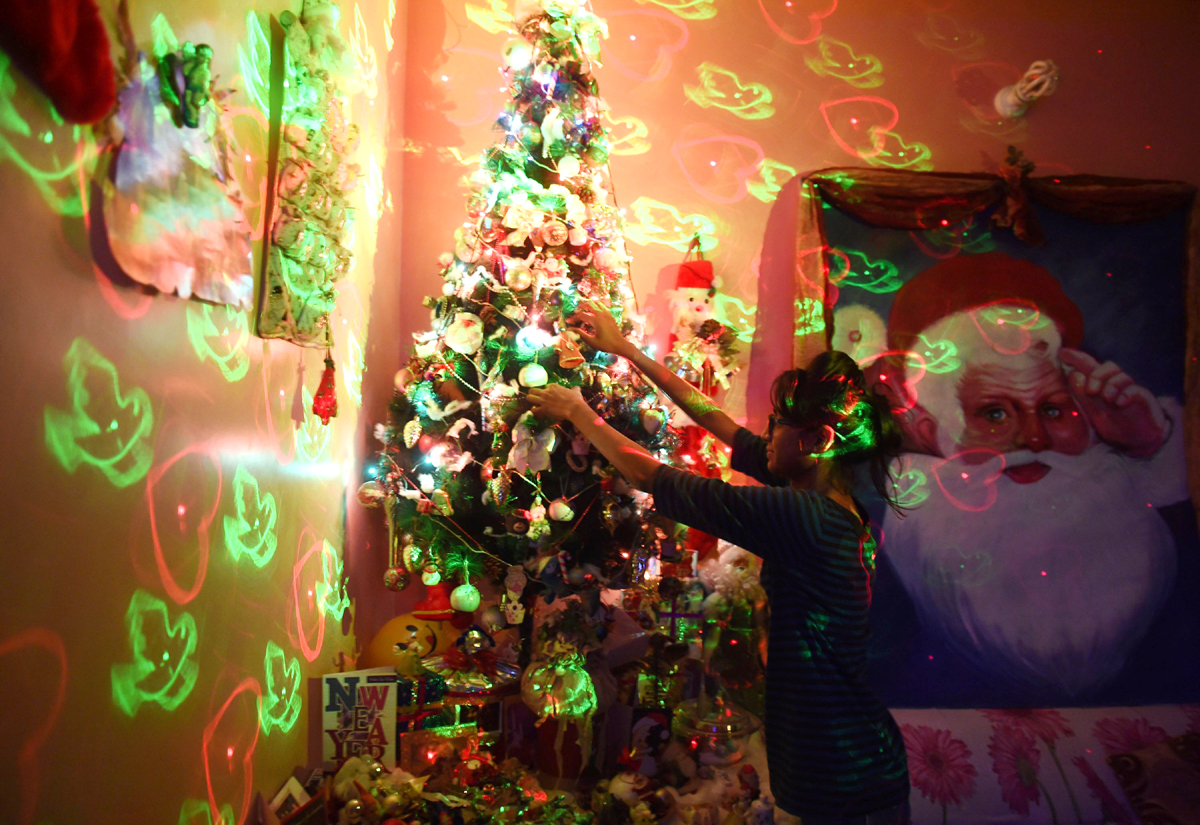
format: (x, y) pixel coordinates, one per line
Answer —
(475, 483)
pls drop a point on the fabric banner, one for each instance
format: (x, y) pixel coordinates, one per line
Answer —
(1034, 338)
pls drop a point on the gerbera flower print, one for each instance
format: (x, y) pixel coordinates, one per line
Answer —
(1015, 758)
(939, 765)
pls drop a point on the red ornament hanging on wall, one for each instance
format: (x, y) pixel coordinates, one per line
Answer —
(325, 401)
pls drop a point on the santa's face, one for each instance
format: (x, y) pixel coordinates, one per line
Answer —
(1021, 406)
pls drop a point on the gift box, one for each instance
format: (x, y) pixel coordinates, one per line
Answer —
(680, 619)
(420, 703)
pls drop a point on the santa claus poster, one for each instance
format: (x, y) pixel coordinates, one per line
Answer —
(1049, 554)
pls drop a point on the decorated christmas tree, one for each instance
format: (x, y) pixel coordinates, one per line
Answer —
(473, 482)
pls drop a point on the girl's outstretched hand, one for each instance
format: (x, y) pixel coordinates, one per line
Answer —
(598, 328)
(556, 401)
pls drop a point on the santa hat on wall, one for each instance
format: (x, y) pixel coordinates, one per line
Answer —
(695, 275)
(967, 282)
(62, 46)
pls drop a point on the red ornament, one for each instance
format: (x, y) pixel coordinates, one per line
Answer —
(325, 401)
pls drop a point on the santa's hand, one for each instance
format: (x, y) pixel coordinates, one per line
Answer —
(1123, 413)
(598, 328)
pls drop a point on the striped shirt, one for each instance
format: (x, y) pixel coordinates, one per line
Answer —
(833, 749)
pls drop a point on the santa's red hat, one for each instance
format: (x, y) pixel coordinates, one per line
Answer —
(967, 282)
(692, 275)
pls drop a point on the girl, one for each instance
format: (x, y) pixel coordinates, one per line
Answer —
(835, 754)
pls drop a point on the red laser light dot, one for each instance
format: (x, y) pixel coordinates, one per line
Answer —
(931, 658)
(429, 755)
(712, 163)
(1147, 145)
(966, 475)
(133, 207)
(1056, 180)
(445, 78)
(945, 222)
(229, 752)
(853, 121)
(633, 37)
(1098, 51)
(181, 510)
(1148, 504)
(1043, 572)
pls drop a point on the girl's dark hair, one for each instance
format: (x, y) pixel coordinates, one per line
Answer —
(832, 391)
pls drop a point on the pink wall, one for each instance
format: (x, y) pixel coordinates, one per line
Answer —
(1127, 71)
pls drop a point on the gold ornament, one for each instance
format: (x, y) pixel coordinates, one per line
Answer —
(519, 278)
(500, 485)
(554, 233)
(412, 433)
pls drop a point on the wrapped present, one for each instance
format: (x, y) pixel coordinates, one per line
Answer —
(420, 703)
(418, 750)
(680, 620)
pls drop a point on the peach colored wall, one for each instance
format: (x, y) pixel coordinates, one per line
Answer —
(76, 547)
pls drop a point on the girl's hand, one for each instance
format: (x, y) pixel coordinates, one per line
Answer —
(605, 335)
(556, 401)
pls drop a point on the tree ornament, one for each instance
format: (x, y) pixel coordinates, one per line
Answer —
(395, 578)
(568, 167)
(412, 432)
(465, 598)
(560, 510)
(607, 259)
(402, 379)
(530, 452)
(500, 486)
(519, 278)
(555, 233)
(517, 54)
(371, 493)
(653, 421)
(533, 375)
(578, 236)
(538, 525)
(324, 404)
(569, 356)
(465, 334)
(609, 513)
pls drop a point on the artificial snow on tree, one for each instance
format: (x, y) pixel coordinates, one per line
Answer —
(474, 482)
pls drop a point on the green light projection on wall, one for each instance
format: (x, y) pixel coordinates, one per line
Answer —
(910, 488)
(810, 316)
(105, 427)
(687, 9)
(493, 16)
(769, 179)
(723, 89)
(627, 135)
(657, 222)
(251, 532)
(54, 170)
(162, 670)
(198, 812)
(878, 276)
(896, 154)
(939, 356)
(836, 59)
(281, 699)
(331, 592)
(312, 437)
(221, 335)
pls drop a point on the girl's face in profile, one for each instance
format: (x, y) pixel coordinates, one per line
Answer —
(787, 456)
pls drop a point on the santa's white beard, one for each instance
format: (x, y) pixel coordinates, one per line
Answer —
(1050, 587)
